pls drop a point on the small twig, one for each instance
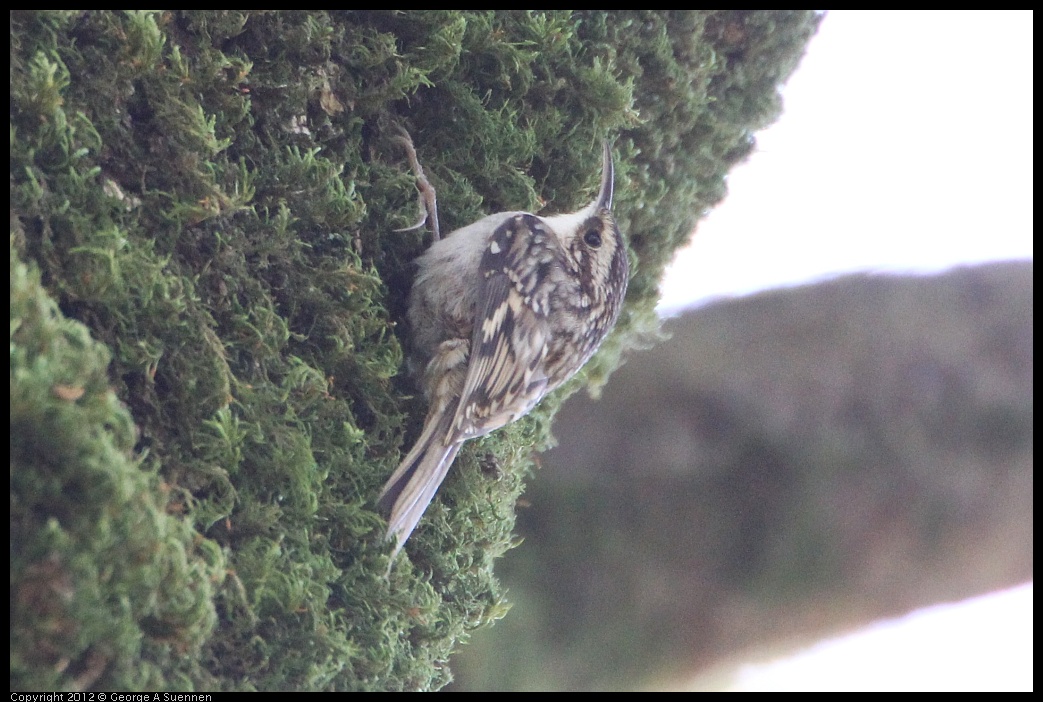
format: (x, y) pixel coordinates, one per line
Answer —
(428, 201)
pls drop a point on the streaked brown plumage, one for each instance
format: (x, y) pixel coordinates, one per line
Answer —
(503, 311)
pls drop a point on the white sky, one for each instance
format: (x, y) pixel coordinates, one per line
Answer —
(952, 648)
(905, 145)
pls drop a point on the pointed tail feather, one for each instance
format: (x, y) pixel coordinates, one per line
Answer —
(412, 486)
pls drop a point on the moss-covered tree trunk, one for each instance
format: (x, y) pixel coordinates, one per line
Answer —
(206, 375)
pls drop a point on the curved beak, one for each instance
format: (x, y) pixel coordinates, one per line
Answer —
(608, 173)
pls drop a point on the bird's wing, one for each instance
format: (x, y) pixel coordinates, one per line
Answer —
(506, 375)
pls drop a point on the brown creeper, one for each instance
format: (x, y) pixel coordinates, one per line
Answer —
(503, 311)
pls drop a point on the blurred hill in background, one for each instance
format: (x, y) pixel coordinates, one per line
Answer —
(785, 467)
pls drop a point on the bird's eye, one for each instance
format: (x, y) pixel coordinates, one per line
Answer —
(593, 238)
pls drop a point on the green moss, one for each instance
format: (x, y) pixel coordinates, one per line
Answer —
(213, 195)
(111, 587)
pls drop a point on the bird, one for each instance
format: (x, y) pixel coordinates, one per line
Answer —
(502, 312)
